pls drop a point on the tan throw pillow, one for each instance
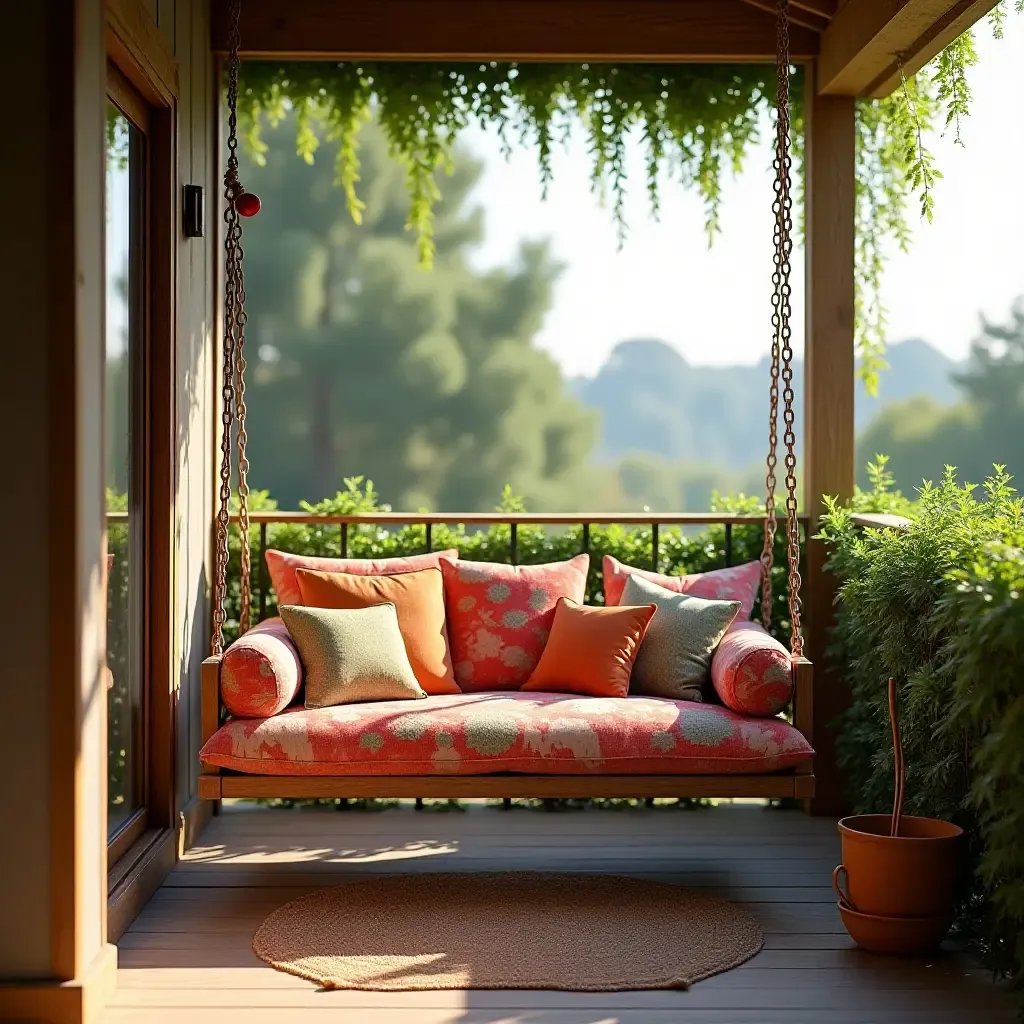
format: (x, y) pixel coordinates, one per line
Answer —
(351, 654)
(675, 658)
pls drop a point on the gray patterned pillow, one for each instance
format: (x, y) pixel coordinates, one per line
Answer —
(674, 659)
(351, 654)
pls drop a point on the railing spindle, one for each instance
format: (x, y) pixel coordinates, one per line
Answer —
(728, 545)
(654, 546)
(512, 541)
(586, 538)
(344, 540)
(263, 571)
(429, 528)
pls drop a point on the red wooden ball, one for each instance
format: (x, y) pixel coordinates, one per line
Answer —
(247, 204)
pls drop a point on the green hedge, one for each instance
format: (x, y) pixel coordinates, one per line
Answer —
(679, 551)
(940, 607)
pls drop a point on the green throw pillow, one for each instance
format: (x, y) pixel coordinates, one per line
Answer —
(351, 654)
(674, 659)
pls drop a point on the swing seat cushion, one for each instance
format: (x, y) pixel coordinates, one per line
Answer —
(488, 732)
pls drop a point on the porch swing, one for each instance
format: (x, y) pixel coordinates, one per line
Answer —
(232, 760)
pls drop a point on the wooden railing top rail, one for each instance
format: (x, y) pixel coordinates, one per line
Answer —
(880, 521)
(508, 518)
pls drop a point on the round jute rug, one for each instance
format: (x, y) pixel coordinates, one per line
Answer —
(584, 933)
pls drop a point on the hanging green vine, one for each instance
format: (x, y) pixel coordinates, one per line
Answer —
(697, 123)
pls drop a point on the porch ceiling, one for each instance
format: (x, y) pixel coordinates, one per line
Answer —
(855, 42)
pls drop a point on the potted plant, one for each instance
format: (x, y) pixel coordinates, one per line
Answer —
(896, 882)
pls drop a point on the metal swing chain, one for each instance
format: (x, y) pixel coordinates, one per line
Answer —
(782, 354)
(233, 367)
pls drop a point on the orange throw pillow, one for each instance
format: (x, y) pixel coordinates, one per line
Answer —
(591, 650)
(283, 565)
(418, 598)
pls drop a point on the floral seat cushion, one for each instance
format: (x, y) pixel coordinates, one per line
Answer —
(481, 733)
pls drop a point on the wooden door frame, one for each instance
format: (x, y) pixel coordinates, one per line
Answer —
(140, 60)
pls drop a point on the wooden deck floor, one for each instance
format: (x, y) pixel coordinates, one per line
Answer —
(187, 958)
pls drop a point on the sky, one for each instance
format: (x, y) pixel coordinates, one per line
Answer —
(714, 305)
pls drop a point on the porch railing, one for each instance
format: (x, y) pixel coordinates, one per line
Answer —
(261, 520)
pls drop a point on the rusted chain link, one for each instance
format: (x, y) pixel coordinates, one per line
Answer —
(782, 354)
(233, 366)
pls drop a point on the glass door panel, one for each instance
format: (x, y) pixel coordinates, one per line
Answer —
(123, 433)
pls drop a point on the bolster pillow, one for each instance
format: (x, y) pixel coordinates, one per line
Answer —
(261, 673)
(751, 671)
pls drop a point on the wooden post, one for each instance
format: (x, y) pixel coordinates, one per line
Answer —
(828, 392)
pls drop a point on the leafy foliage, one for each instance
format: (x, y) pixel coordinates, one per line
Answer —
(679, 551)
(939, 607)
(433, 380)
(697, 123)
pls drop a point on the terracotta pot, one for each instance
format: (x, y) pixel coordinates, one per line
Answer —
(895, 934)
(909, 875)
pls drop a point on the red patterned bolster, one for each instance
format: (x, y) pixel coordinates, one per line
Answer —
(261, 673)
(752, 672)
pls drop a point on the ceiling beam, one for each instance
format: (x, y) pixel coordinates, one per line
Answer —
(824, 8)
(541, 30)
(797, 15)
(865, 41)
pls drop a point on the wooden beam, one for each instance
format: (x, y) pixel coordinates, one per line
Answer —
(825, 8)
(797, 15)
(829, 392)
(134, 43)
(541, 30)
(881, 521)
(210, 706)
(859, 49)
(957, 20)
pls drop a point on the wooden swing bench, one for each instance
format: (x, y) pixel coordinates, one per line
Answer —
(216, 783)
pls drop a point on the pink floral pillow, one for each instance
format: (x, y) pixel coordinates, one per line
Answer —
(283, 565)
(737, 583)
(499, 616)
(261, 672)
(752, 673)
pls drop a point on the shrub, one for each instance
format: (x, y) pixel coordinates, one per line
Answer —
(938, 606)
(679, 551)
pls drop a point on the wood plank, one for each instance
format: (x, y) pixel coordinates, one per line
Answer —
(779, 989)
(270, 516)
(136, 45)
(466, 1015)
(533, 786)
(858, 49)
(210, 703)
(559, 30)
(880, 521)
(828, 393)
(797, 15)
(149, 868)
(817, 967)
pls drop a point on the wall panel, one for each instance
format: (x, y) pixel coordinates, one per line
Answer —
(194, 384)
